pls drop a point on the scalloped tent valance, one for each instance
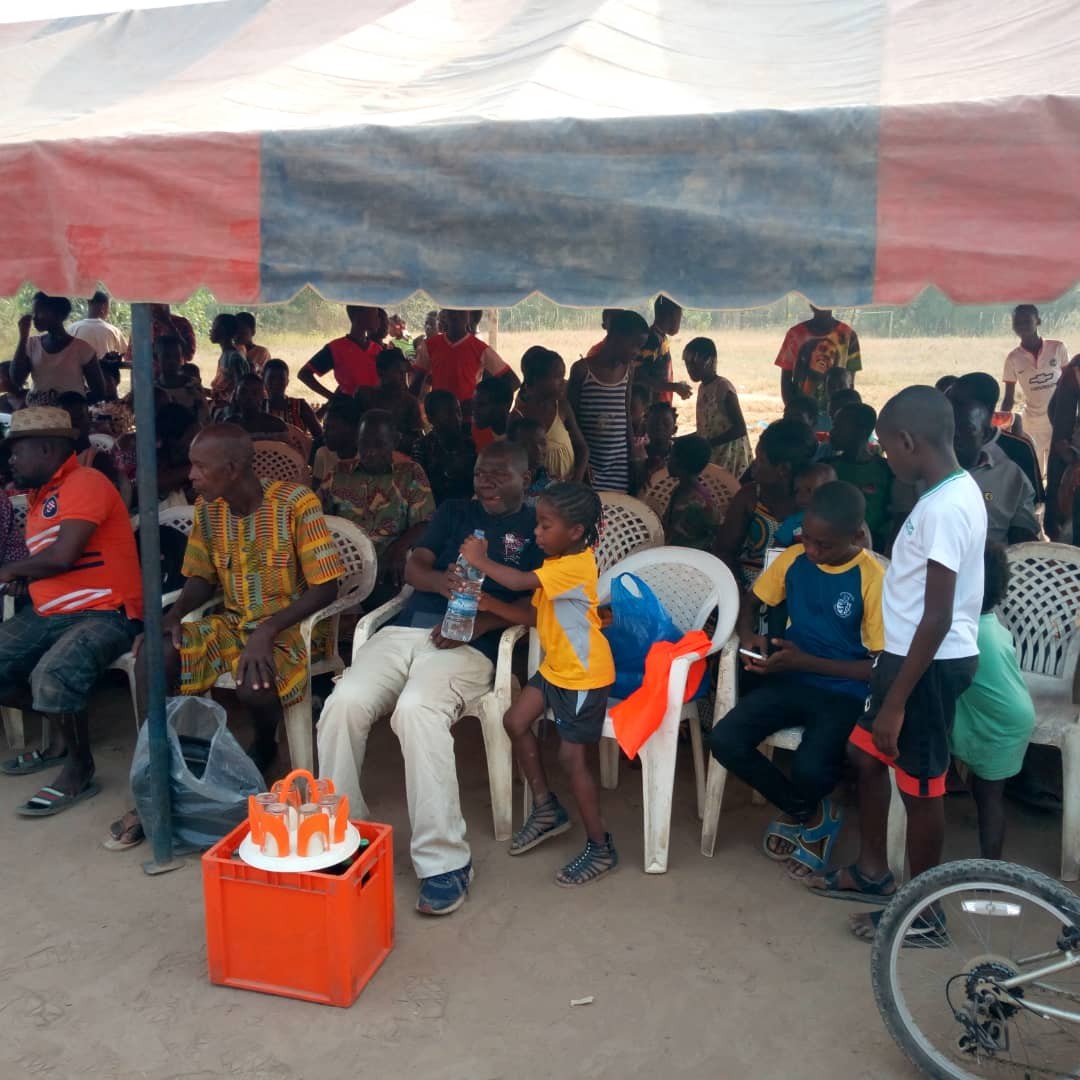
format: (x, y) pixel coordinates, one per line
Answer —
(853, 150)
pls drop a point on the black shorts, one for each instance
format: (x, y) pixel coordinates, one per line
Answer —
(579, 714)
(923, 760)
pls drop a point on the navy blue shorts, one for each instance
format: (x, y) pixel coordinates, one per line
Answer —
(579, 714)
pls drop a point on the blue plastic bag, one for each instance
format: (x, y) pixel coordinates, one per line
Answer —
(638, 619)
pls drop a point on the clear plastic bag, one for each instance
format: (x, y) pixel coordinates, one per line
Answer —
(210, 776)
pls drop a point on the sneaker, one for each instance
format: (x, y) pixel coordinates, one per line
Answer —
(443, 893)
(546, 820)
(595, 862)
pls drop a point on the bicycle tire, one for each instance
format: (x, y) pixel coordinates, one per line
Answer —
(913, 895)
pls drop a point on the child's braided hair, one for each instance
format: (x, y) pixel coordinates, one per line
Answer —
(577, 504)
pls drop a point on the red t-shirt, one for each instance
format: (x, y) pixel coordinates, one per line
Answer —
(456, 365)
(483, 437)
(106, 574)
(353, 365)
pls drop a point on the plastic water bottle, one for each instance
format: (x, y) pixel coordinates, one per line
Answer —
(460, 615)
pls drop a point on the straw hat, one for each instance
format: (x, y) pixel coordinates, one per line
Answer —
(41, 421)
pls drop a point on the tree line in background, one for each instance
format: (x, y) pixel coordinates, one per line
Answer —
(930, 315)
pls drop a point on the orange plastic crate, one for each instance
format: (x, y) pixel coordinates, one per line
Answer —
(315, 936)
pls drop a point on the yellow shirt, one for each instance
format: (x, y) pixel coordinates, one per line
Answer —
(576, 654)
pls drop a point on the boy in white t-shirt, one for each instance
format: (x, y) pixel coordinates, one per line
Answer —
(931, 603)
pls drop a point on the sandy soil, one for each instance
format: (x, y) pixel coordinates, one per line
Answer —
(720, 968)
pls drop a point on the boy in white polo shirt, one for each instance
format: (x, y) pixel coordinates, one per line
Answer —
(931, 603)
(1036, 363)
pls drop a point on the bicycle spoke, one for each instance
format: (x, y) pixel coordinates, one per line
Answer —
(993, 1033)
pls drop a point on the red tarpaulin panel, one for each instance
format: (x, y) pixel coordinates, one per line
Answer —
(153, 218)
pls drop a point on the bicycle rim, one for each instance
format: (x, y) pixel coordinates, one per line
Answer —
(993, 929)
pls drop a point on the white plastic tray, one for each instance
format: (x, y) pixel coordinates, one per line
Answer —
(295, 864)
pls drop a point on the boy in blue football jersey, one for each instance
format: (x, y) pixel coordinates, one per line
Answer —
(816, 676)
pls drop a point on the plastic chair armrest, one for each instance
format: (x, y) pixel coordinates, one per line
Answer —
(378, 618)
(503, 667)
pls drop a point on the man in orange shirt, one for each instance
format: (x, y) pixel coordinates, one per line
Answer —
(86, 592)
(457, 360)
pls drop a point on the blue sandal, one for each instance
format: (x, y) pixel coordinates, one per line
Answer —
(867, 891)
(789, 831)
(832, 818)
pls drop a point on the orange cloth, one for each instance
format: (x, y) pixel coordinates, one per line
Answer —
(639, 715)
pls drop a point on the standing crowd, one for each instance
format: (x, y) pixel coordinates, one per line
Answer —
(868, 549)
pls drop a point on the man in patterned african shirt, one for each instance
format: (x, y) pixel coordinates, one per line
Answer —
(265, 545)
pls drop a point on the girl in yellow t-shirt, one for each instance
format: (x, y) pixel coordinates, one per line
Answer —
(576, 674)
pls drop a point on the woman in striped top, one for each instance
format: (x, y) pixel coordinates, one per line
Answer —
(599, 391)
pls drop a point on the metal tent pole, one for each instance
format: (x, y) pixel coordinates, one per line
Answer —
(159, 826)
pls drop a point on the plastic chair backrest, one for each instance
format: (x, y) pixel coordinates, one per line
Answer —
(299, 440)
(279, 461)
(102, 440)
(719, 482)
(358, 554)
(690, 584)
(629, 526)
(1041, 607)
(21, 509)
(180, 518)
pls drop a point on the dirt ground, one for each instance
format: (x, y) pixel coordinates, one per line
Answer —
(720, 968)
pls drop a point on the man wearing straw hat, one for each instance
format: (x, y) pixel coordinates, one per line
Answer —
(83, 577)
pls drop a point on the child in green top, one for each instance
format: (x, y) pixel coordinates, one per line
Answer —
(995, 715)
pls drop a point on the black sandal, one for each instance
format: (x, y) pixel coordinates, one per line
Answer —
(596, 861)
(546, 820)
(126, 832)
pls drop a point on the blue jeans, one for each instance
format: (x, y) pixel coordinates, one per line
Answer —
(62, 656)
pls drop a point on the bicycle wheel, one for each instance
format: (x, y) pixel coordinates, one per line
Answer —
(978, 923)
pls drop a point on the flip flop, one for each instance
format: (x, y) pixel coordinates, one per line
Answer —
(31, 762)
(788, 831)
(48, 801)
(869, 891)
(128, 826)
(923, 933)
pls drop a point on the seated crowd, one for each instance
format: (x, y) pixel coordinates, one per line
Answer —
(435, 448)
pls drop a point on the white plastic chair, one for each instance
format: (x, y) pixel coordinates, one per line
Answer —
(1042, 612)
(358, 554)
(299, 440)
(720, 483)
(21, 507)
(691, 585)
(629, 526)
(279, 461)
(489, 709)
